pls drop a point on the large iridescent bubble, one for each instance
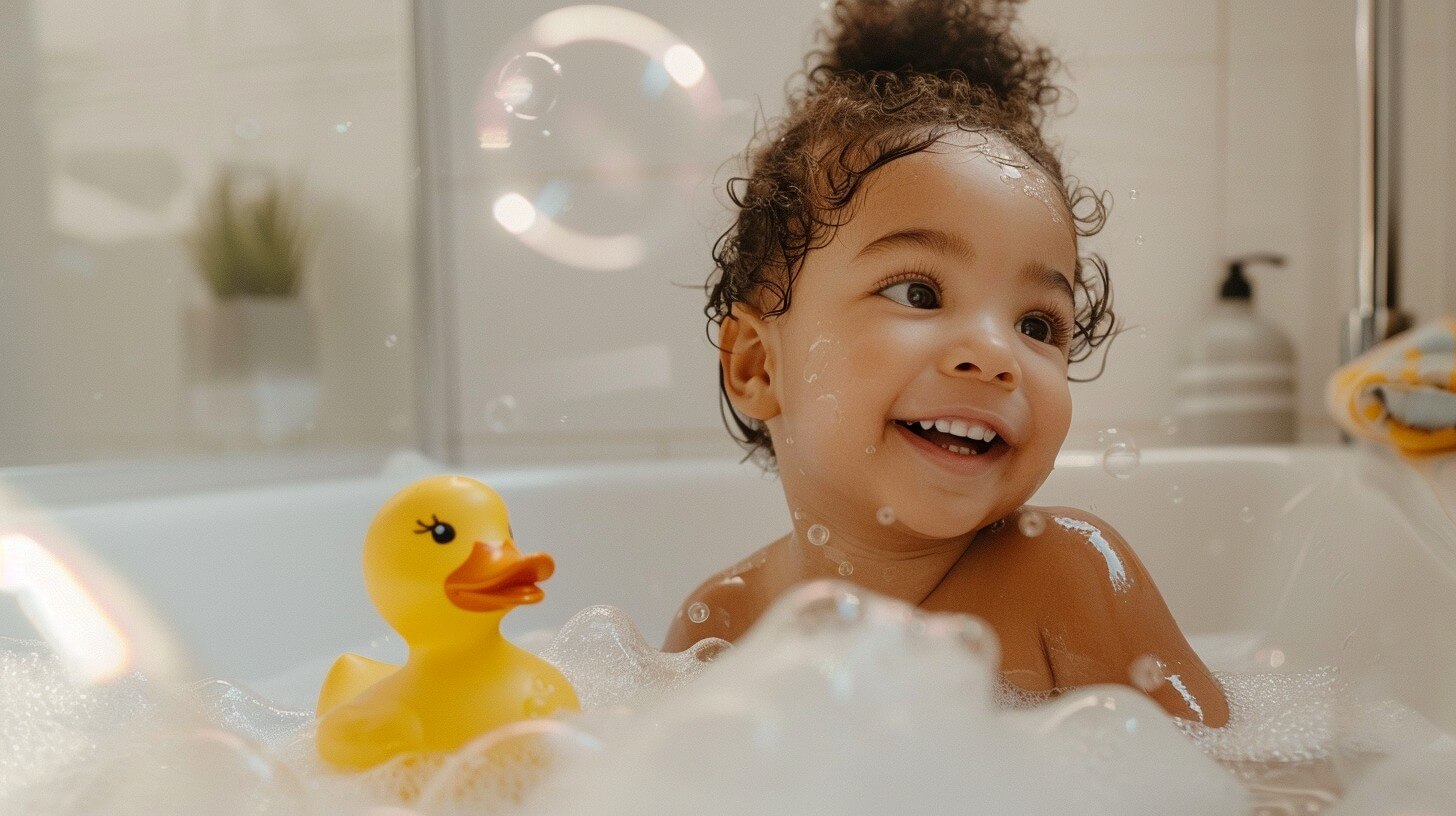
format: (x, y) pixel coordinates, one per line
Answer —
(595, 125)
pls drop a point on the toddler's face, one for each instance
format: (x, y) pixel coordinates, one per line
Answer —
(948, 295)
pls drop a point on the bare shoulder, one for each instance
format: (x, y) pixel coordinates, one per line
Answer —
(722, 606)
(1112, 614)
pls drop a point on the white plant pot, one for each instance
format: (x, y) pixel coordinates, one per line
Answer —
(253, 370)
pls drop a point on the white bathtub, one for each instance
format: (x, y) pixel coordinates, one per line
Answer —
(1343, 556)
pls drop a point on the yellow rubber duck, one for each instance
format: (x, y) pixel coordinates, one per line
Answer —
(441, 564)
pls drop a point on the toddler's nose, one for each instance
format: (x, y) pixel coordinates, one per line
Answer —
(985, 357)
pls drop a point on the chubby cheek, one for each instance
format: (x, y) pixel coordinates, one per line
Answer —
(835, 396)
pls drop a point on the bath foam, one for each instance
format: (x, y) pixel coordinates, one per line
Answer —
(839, 700)
(842, 701)
(602, 653)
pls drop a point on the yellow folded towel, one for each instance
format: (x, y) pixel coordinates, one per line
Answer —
(1402, 392)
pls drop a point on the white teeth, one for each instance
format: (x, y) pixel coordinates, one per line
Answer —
(959, 427)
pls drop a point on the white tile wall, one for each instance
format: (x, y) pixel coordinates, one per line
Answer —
(135, 106)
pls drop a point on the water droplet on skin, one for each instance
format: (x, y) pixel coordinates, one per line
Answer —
(798, 514)
(1139, 240)
(846, 569)
(885, 515)
(1247, 514)
(1175, 494)
(1168, 425)
(818, 535)
(870, 449)
(1010, 173)
(788, 440)
(1132, 194)
(390, 341)
(1147, 673)
(698, 612)
(1031, 523)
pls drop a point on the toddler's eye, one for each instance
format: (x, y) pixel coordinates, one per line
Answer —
(1041, 328)
(913, 293)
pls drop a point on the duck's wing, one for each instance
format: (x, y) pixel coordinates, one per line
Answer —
(350, 675)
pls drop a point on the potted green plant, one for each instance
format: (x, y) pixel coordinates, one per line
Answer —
(255, 346)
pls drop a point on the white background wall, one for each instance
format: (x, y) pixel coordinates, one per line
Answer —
(118, 116)
(1233, 120)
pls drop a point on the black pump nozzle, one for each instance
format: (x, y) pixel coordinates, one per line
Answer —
(1236, 286)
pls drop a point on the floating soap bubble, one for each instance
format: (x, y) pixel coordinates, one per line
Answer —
(343, 127)
(528, 85)
(885, 515)
(1132, 194)
(390, 341)
(698, 612)
(818, 535)
(1142, 332)
(1175, 494)
(1121, 456)
(1139, 240)
(501, 415)
(598, 122)
(1246, 514)
(1168, 425)
(846, 569)
(1031, 523)
(1147, 672)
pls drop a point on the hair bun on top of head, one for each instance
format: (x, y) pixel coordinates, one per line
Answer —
(971, 37)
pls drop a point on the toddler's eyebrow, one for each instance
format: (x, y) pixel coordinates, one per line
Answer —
(946, 243)
(933, 240)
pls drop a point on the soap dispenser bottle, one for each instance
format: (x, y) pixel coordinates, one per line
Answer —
(1236, 382)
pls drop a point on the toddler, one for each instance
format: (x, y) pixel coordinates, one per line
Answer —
(915, 394)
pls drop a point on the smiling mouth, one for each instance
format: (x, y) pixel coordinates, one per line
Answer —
(962, 445)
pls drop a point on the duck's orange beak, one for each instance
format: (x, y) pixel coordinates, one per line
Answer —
(492, 579)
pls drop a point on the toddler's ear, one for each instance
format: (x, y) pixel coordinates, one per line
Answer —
(747, 358)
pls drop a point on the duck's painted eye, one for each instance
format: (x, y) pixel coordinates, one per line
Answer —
(442, 532)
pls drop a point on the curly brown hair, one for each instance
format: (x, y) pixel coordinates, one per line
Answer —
(895, 77)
